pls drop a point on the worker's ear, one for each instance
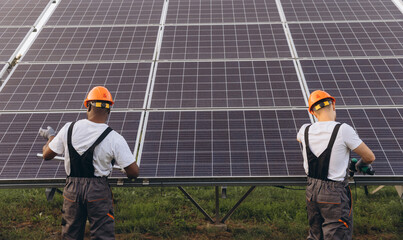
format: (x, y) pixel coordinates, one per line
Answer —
(334, 106)
(89, 107)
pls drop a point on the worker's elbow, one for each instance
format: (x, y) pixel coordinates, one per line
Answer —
(48, 154)
(132, 171)
(132, 175)
(371, 159)
(47, 158)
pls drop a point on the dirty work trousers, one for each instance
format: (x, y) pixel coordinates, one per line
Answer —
(87, 198)
(329, 206)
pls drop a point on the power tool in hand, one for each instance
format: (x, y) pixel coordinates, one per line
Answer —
(360, 166)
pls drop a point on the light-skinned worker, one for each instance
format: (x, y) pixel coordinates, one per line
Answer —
(90, 146)
(326, 152)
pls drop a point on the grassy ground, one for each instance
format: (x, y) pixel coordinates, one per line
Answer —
(164, 213)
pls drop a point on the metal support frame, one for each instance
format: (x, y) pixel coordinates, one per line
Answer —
(50, 193)
(237, 204)
(217, 205)
(197, 205)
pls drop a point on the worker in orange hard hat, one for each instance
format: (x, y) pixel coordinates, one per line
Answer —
(90, 148)
(327, 145)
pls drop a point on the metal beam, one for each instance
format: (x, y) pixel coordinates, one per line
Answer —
(196, 204)
(200, 181)
(237, 204)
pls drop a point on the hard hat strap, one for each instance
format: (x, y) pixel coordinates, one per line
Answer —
(100, 104)
(322, 105)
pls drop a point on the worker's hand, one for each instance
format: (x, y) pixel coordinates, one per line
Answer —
(47, 133)
(364, 168)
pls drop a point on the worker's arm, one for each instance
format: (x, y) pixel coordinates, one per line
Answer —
(365, 153)
(48, 133)
(48, 154)
(132, 171)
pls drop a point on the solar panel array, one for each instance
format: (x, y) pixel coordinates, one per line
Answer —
(84, 44)
(216, 88)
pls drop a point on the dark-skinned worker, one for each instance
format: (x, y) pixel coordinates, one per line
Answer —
(89, 146)
(326, 152)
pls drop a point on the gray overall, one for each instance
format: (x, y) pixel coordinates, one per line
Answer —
(86, 196)
(329, 203)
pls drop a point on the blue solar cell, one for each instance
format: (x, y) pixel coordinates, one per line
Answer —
(94, 44)
(107, 12)
(364, 82)
(226, 84)
(21, 12)
(222, 11)
(348, 39)
(10, 39)
(222, 143)
(20, 141)
(340, 10)
(64, 86)
(380, 130)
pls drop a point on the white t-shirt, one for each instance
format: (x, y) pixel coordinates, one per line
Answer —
(84, 134)
(319, 135)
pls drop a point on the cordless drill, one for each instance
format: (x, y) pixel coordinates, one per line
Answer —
(366, 168)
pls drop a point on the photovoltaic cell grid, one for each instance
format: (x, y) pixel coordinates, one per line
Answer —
(222, 143)
(21, 12)
(10, 39)
(382, 130)
(20, 142)
(226, 85)
(107, 12)
(94, 44)
(224, 42)
(65, 86)
(340, 10)
(355, 39)
(221, 11)
(369, 82)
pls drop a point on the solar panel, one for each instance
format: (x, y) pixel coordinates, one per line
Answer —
(10, 39)
(64, 86)
(21, 12)
(382, 130)
(370, 82)
(224, 42)
(226, 85)
(340, 10)
(107, 12)
(222, 143)
(355, 39)
(20, 142)
(221, 11)
(94, 44)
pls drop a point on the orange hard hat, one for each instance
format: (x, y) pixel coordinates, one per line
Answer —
(317, 96)
(99, 93)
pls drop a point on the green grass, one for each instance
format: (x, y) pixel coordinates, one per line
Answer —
(165, 213)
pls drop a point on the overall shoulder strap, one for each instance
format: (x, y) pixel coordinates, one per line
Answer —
(306, 135)
(69, 134)
(333, 137)
(100, 139)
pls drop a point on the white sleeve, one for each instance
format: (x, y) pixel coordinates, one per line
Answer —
(350, 137)
(301, 132)
(57, 144)
(121, 152)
